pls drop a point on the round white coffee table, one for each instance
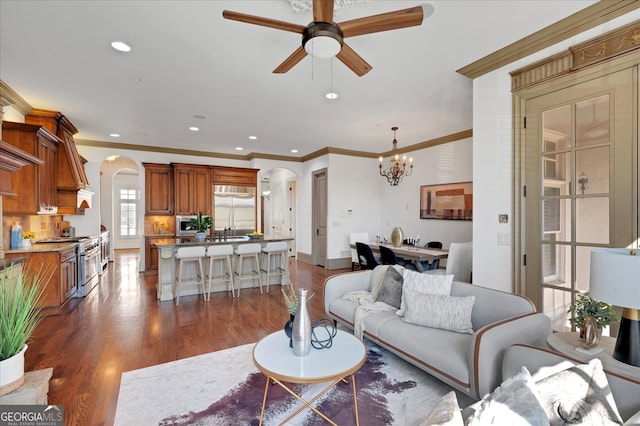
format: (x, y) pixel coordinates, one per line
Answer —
(275, 359)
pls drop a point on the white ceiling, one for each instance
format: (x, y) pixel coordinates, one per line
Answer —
(188, 60)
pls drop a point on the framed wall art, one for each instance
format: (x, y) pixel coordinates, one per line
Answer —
(450, 201)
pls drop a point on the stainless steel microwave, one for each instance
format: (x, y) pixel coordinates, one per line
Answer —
(184, 226)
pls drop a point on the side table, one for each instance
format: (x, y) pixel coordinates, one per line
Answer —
(565, 343)
(33, 391)
(275, 359)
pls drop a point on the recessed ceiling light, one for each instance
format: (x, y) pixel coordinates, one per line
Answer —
(239, 148)
(137, 79)
(331, 95)
(121, 46)
(114, 135)
(194, 128)
(199, 116)
(294, 150)
(253, 138)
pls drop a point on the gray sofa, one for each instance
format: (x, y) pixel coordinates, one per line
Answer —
(471, 363)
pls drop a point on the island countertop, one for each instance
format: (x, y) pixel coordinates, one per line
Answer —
(186, 241)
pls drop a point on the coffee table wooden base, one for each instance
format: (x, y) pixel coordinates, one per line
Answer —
(308, 404)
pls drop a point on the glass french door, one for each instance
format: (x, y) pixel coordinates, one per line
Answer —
(581, 163)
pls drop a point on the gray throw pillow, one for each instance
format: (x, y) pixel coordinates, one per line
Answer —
(391, 288)
(579, 396)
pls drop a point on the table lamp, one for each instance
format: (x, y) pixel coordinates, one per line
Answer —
(615, 279)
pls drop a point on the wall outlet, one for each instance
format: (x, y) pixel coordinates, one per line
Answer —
(504, 239)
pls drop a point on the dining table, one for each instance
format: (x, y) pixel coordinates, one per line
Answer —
(413, 254)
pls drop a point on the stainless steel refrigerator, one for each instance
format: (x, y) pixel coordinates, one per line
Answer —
(235, 209)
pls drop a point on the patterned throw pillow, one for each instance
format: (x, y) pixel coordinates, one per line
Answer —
(579, 396)
(425, 284)
(438, 311)
(513, 403)
(391, 288)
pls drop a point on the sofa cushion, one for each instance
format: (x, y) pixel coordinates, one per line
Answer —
(424, 283)
(445, 312)
(390, 291)
(514, 402)
(579, 395)
(438, 351)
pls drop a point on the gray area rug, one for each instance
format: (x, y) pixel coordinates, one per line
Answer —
(225, 388)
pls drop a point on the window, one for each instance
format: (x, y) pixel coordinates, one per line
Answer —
(128, 212)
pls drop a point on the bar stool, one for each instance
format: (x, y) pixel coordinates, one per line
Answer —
(185, 255)
(248, 251)
(222, 256)
(278, 266)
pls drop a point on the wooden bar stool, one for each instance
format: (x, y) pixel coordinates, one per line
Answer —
(275, 262)
(250, 252)
(185, 255)
(222, 256)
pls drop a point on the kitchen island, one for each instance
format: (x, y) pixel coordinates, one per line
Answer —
(167, 264)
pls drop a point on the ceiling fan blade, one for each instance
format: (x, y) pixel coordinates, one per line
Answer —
(297, 55)
(353, 61)
(383, 22)
(265, 22)
(323, 10)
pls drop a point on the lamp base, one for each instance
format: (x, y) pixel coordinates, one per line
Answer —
(627, 348)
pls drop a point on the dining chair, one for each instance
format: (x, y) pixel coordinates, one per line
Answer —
(357, 237)
(459, 262)
(389, 257)
(365, 256)
(433, 264)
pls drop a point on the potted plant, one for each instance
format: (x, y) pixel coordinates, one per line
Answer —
(201, 224)
(586, 306)
(20, 293)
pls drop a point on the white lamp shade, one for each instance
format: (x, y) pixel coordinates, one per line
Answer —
(322, 47)
(615, 277)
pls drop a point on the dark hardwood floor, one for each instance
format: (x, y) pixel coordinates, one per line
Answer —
(121, 326)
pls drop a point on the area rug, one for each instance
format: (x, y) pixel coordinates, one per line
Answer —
(225, 388)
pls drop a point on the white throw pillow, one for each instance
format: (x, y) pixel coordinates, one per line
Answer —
(513, 403)
(445, 413)
(425, 284)
(438, 311)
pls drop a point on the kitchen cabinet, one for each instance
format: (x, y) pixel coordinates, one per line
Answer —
(71, 177)
(158, 188)
(236, 176)
(62, 263)
(192, 189)
(35, 186)
(13, 159)
(151, 253)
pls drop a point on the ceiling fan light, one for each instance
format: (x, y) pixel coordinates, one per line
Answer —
(322, 47)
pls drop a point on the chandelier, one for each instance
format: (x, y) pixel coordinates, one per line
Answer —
(396, 170)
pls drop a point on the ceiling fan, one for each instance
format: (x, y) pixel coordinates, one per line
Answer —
(324, 38)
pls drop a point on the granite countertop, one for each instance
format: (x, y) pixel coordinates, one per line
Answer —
(41, 248)
(172, 242)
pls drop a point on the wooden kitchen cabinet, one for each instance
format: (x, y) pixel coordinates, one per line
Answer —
(158, 188)
(64, 280)
(192, 189)
(151, 254)
(35, 185)
(234, 176)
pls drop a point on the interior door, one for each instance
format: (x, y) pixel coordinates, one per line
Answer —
(319, 214)
(580, 171)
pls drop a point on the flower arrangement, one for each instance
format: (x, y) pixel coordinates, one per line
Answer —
(291, 299)
(587, 306)
(28, 235)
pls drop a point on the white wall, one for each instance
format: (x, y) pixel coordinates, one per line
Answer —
(493, 162)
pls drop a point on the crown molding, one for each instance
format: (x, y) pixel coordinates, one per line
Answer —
(587, 18)
(9, 97)
(465, 134)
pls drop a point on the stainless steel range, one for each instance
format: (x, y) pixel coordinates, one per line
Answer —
(88, 264)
